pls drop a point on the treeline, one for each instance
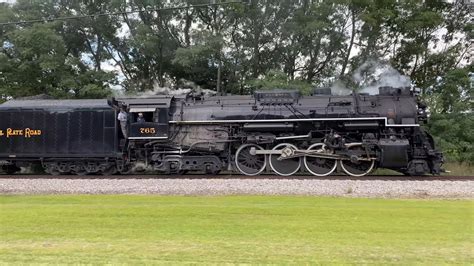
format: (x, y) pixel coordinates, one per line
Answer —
(234, 48)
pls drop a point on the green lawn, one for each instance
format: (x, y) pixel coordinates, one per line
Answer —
(233, 229)
(453, 168)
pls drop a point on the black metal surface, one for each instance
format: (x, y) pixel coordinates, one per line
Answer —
(53, 128)
(277, 97)
(148, 130)
(217, 126)
(54, 104)
(323, 106)
(274, 127)
(394, 153)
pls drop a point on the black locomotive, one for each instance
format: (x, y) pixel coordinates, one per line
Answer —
(270, 131)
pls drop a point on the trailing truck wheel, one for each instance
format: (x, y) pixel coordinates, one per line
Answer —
(247, 163)
(282, 166)
(319, 166)
(214, 172)
(112, 170)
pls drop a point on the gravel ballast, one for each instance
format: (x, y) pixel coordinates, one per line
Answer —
(349, 188)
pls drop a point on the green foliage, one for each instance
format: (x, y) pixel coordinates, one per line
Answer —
(194, 59)
(275, 79)
(314, 42)
(37, 51)
(131, 229)
(452, 93)
(454, 135)
(197, 63)
(35, 61)
(452, 121)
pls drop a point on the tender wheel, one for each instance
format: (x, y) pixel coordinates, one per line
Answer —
(81, 173)
(319, 166)
(284, 167)
(247, 163)
(51, 168)
(354, 167)
(10, 169)
(79, 169)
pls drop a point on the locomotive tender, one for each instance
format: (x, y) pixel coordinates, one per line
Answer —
(270, 131)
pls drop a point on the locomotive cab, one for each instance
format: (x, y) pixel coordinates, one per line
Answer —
(151, 127)
(149, 118)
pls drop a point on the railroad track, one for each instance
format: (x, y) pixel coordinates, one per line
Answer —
(236, 176)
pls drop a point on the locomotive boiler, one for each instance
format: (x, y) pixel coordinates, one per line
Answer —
(278, 131)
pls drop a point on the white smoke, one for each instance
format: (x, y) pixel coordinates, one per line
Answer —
(338, 88)
(163, 91)
(373, 74)
(185, 87)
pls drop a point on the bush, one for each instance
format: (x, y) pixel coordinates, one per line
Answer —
(454, 135)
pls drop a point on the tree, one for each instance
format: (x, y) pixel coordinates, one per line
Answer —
(232, 46)
(453, 137)
(36, 59)
(275, 79)
(452, 93)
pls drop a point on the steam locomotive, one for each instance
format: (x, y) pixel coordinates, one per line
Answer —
(276, 131)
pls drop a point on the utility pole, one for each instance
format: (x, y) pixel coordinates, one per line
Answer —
(219, 74)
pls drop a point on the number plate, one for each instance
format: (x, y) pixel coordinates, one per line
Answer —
(147, 130)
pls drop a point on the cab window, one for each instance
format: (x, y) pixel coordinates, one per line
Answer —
(147, 116)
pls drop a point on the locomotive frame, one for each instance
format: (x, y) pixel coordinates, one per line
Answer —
(274, 131)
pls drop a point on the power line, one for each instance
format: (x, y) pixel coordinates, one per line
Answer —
(114, 13)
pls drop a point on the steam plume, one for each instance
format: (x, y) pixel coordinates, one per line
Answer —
(373, 74)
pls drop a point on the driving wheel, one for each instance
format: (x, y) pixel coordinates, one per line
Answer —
(319, 166)
(282, 166)
(354, 167)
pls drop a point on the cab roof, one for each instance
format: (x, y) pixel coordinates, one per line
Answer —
(55, 104)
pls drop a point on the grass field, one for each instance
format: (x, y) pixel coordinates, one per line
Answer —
(459, 169)
(233, 229)
(454, 168)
